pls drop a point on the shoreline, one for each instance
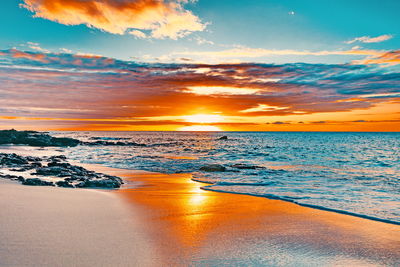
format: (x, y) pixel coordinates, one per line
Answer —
(182, 224)
(194, 226)
(349, 213)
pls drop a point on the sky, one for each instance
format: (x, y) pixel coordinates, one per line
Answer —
(256, 65)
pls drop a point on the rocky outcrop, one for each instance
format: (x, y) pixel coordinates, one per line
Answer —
(55, 168)
(64, 184)
(245, 166)
(223, 138)
(32, 138)
(18, 163)
(213, 168)
(37, 182)
(109, 182)
(12, 177)
(231, 168)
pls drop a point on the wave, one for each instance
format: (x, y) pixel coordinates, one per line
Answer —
(291, 200)
(358, 173)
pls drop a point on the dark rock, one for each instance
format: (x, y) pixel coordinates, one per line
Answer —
(12, 177)
(35, 159)
(213, 168)
(37, 182)
(12, 159)
(58, 158)
(23, 169)
(223, 138)
(64, 184)
(59, 164)
(102, 183)
(33, 138)
(36, 164)
(245, 166)
(49, 171)
(72, 176)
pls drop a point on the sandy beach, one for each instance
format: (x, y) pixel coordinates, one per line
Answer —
(48, 226)
(167, 220)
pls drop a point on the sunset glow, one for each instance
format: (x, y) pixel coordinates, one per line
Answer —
(218, 132)
(170, 65)
(203, 118)
(200, 128)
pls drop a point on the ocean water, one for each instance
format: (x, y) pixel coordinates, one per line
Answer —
(351, 172)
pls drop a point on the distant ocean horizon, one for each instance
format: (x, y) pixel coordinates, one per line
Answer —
(350, 172)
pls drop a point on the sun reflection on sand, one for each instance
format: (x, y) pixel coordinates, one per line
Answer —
(184, 220)
(198, 197)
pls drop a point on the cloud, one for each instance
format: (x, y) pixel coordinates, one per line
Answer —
(280, 122)
(371, 56)
(162, 18)
(36, 46)
(263, 108)
(138, 34)
(241, 52)
(66, 50)
(200, 40)
(258, 52)
(28, 55)
(92, 88)
(221, 90)
(367, 39)
(388, 58)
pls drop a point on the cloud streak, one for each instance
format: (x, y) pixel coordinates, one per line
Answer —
(367, 39)
(259, 52)
(388, 58)
(160, 18)
(90, 88)
(241, 52)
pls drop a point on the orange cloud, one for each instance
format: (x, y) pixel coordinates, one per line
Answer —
(75, 90)
(162, 18)
(31, 56)
(390, 58)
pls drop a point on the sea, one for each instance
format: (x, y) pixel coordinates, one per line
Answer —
(348, 172)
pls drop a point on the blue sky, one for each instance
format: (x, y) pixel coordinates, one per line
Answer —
(314, 26)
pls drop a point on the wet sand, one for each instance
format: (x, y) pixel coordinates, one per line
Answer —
(191, 226)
